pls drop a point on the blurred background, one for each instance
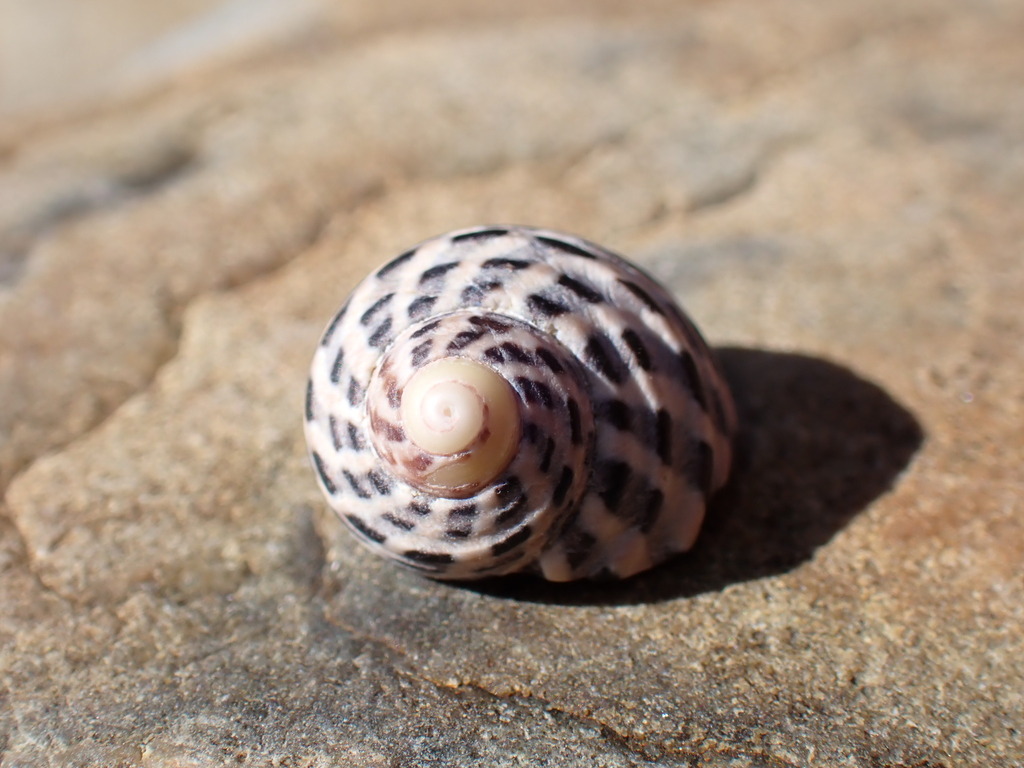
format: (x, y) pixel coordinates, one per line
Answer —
(61, 53)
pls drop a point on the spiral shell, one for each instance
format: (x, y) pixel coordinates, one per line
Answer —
(510, 399)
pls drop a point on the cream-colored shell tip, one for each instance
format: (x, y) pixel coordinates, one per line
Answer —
(466, 416)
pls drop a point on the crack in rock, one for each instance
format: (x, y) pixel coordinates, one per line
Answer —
(89, 196)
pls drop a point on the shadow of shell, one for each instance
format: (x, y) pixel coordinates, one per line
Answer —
(817, 444)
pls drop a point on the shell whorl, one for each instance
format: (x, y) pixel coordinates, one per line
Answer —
(462, 422)
(510, 399)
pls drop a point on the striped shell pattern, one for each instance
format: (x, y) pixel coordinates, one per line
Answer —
(607, 426)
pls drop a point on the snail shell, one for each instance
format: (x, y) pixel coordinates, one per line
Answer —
(511, 399)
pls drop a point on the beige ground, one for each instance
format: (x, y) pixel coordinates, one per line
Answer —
(833, 189)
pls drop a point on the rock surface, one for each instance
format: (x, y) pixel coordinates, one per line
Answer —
(831, 188)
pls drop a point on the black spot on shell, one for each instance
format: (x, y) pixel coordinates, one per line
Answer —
(578, 546)
(338, 366)
(506, 352)
(419, 508)
(420, 352)
(511, 497)
(692, 376)
(506, 263)
(542, 305)
(463, 339)
(582, 290)
(700, 466)
(612, 477)
(355, 392)
(321, 470)
(565, 247)
(638, 348)
(576, 429)
(564, 483)
(378, 305)
(382, 335)
(424, 330)
(437, 272)
(366, 530)
(531, 433)
(333, 325)
(420, 307)
(513, 511)
(309, 401)
(474, 293)
(603, 357)
(479, 234)
(616, 413)
(513, 541)
(398, 522)
(664, 437)
(549, 452)
(463, 511)
(380, 482)
(550, 360)
(643, 295)
(458, 533)
(335, 432)
(508, 489)
(535, 392)
(516, 353)
(492, 324)
(355, 437)
(395, 263)
(434, 558)
(354, 483)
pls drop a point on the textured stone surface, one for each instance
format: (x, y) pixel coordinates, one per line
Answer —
(833, 191)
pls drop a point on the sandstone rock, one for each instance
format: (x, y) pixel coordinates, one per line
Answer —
(831, 189)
